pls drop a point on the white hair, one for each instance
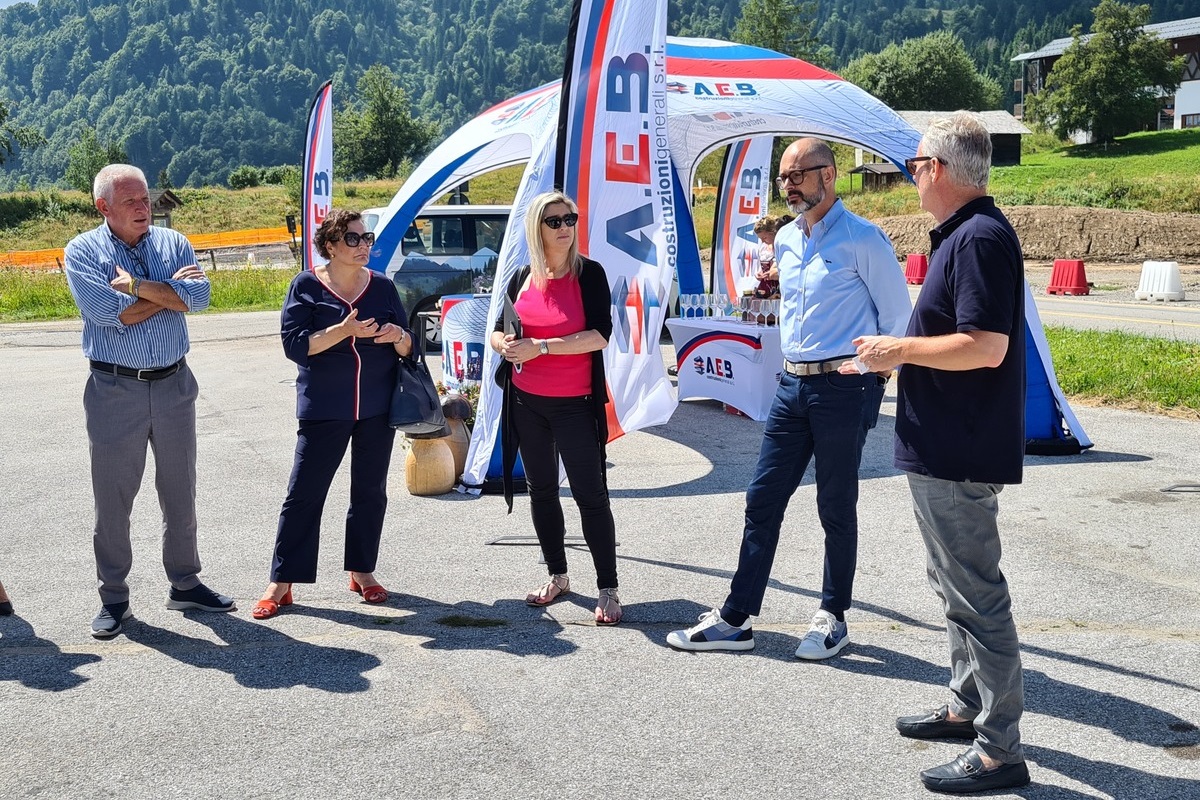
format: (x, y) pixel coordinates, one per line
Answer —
(107, 177)
(963, 146)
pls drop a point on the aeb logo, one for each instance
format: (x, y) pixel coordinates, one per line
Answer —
(322, 191)
(721, 89)
(720, 368)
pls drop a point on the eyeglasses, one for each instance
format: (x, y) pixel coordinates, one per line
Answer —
(911, 164)
(353, 239)
(554, 223)
(796, 176)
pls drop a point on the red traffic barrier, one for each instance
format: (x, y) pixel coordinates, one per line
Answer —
(1068, 277)
(915, 268)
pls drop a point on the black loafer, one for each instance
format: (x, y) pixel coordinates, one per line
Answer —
(934, 725)
(966, 774)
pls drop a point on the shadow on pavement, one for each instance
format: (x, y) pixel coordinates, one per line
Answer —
(269, 659)
(466, 625)
(1110, 779)
(37, 663)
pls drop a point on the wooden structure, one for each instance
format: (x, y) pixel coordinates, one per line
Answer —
(1005, 129)
(162, 203)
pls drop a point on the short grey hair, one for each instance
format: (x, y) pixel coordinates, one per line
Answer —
(107, 177)
(963, 146)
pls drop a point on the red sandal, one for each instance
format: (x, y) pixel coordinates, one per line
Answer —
(374, 595)
(267, 608)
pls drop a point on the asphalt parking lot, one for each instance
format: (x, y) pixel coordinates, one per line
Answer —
(455, 689)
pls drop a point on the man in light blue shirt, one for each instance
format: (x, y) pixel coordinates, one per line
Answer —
(838, 276)
(133, 284)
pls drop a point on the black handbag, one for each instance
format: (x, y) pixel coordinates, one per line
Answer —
(416, 408)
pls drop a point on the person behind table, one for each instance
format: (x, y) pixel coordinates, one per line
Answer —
(6, 606)
(838, 272)
(960, 437)
(345, 328)
(555, 394)
(767, 275)
(133, 283)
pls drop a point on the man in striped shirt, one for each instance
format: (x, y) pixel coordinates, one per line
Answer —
(133, 284)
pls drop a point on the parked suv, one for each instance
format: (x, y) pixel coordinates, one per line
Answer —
(447, 250)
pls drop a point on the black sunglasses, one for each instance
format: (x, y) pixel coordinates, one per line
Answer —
(353, 239)
(796, 176)
(911, 164)
(554, 223)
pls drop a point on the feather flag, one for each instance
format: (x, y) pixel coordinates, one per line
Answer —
(317, 191)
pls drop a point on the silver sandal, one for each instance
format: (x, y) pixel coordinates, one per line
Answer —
(551, 590)
(608, 607)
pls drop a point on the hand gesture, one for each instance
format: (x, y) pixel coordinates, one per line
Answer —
(879, 353)
(389, 334)
(352, 326)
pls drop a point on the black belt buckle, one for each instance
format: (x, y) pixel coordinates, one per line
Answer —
(157, 374)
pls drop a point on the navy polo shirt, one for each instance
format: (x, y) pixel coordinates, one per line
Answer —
(967, 425)
(354, 378)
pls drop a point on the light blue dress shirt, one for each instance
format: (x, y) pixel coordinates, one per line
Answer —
(838, 281)
(161, 340)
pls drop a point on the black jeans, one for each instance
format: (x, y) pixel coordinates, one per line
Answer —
(554, 427)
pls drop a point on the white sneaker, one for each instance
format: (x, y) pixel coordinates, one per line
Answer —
(713, 633)
(825, 639)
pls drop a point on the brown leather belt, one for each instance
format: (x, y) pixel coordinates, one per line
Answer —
(804, 368)
(141, 374)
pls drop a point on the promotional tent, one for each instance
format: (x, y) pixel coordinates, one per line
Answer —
(716, 93)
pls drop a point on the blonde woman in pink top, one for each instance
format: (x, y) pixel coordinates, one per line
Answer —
(555, 396)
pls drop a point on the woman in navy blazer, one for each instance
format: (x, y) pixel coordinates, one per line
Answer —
(345, 327)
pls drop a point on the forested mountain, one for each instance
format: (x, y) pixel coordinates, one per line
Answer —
(199, 87)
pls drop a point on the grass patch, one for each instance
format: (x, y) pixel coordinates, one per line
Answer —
(463, 621)
(44, 296)
(27, 296)
(1117, 368)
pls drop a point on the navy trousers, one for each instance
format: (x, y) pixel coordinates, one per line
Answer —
(821, 416)
(320, 447)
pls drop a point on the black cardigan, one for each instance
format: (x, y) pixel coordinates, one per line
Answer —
(597, 314)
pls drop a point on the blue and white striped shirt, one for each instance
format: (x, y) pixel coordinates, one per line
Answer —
(161, 340)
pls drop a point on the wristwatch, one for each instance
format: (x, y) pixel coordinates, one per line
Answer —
(544, 348)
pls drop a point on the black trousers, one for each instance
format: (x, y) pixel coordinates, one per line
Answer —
(554, 427)
(320, 447)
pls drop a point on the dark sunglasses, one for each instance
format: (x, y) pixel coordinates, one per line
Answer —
(911, 164)
(796, 176)
(554, 223)
(353, 239)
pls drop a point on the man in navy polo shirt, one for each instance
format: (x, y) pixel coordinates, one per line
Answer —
(133, 284)
(960, 436)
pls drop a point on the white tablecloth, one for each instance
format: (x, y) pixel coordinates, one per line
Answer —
(734, 362)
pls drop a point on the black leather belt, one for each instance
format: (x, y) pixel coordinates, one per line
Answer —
(140, 374)
(815, 367)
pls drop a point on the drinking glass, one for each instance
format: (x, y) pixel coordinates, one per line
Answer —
(756, 311)
(685, 306)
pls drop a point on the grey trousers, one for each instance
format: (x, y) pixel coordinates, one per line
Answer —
(958, 523)
(123, 415)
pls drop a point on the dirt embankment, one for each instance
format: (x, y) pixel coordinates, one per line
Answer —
(1093, 234)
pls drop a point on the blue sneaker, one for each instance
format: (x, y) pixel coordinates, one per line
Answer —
(713, 633)
(824, 639)
(107, 623)
(199, 597)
